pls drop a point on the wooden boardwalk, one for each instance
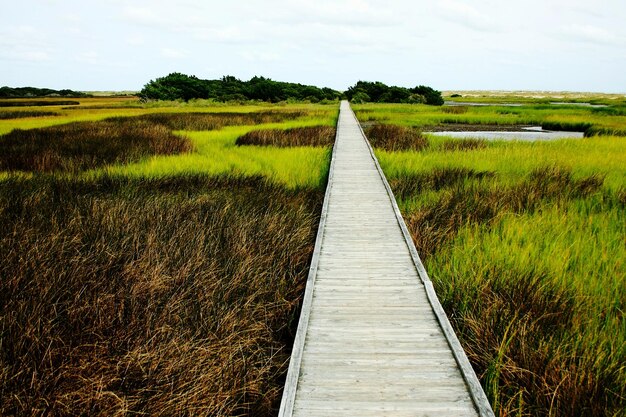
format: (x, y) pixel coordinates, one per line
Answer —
(372, 338)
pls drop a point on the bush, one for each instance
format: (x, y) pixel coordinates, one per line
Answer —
(360, 98)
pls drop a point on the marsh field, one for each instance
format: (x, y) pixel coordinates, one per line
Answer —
(150, 265)
(154, 255)
(525, 243)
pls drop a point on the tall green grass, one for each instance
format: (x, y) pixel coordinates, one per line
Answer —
(216, 153)
(525, 243)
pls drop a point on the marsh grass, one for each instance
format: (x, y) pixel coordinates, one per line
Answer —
(37, 103)
(463, 145)
(165, 285)
(171, 296)
(395, 138)
(585, 119)
(525, 246)
(299, 136)
(469, 202)
(7, 114)
(454, 109)
(210, 121)
(80, 146)
(537, 309)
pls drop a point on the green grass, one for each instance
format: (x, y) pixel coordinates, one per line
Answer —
(216, 153)
(524, 242)
(535, 97)
(590, 120)
(602, 155)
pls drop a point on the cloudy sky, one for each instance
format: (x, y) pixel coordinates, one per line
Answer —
(576, 45)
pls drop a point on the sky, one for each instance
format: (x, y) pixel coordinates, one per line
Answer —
(114, 45)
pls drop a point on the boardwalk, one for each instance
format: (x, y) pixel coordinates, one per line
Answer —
(372, 338)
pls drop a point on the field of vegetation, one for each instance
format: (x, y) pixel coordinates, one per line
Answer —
(525, 243)
(154, 254)
(150, 263)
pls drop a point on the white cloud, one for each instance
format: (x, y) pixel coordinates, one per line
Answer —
(172, 53)
(89, 57)
(34, 56)
(136, 40)
(344, 13)
(142, 15)
(71, 18)
(463, 13)
(259, 56)
(591, 34)
(445, 43)
(226, 34)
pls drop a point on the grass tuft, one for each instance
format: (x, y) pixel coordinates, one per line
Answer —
(396, 138)
(38, 103)
(5, 115)
(299, 136)
(463, 145)
(80, 146)
(408, 185)
(454, 109)
(210, 121)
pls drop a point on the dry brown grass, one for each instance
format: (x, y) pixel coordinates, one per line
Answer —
(210, 121)
(37, 102)
(79, 146)
(396, 138)
(299, 136)
(157, 297)
(10, 114)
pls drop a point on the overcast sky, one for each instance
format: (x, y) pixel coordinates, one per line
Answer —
(576, 45)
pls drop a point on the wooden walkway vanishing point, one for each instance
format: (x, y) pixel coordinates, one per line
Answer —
(372, 338)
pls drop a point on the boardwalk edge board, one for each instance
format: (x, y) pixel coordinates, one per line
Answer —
(476, 390)
(293, 373)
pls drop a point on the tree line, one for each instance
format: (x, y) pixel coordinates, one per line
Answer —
(26, 92)
(177, 86)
